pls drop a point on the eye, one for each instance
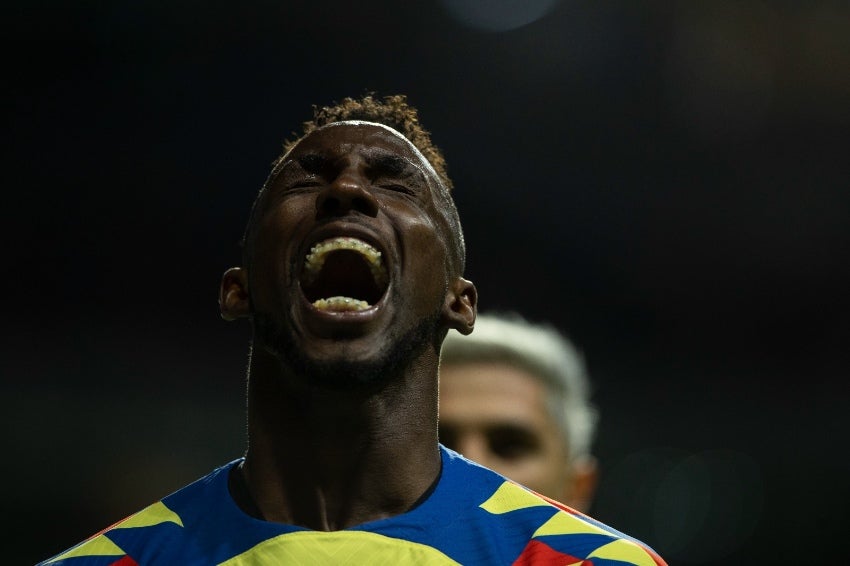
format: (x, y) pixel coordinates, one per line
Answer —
(448, 436)
(307, 182)
(512, 442)
(397, 188)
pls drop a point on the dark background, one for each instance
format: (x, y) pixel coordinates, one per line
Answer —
(666, 182)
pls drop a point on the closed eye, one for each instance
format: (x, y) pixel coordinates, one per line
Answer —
(398, 188)
(311, 181)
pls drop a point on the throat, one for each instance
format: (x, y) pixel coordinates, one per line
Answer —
(297, 495)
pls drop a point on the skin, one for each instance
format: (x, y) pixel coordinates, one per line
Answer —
(497, 415)
(330, 457)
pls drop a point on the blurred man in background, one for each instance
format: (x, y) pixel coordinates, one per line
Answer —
(514, 396)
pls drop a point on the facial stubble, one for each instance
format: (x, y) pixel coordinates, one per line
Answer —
(344, 374)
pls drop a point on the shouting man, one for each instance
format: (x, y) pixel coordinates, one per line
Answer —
(352, 275)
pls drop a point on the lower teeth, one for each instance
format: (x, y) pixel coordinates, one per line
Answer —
(341, 304)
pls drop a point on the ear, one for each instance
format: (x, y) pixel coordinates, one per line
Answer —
(582, 484)
(233, 296)
(461, 305)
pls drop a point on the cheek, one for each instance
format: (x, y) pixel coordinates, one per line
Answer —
(546, 462)
(540, 473)
(426, 250)
(271, 257)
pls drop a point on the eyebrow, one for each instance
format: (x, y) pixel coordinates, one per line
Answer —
(389, 163)
(378, 160)
(312, 162)
(392, 164)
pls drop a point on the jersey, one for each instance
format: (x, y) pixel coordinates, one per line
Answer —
(472, 516)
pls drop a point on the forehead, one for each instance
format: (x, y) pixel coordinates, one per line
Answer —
(492, 390)
(341, 138)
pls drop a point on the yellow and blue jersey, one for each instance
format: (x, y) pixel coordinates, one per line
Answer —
(472, 516)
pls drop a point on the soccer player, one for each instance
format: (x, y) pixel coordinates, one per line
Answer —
(352, 274)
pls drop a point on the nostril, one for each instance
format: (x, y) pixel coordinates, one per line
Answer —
(362, 204)
(329, 205)
(340, 198)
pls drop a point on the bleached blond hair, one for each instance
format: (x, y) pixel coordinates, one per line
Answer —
(542, 351)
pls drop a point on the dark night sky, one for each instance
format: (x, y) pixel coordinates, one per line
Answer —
(667, 183)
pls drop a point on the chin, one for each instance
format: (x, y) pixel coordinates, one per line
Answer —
(337, 365)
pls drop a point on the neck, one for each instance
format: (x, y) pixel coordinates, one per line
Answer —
(331, 459)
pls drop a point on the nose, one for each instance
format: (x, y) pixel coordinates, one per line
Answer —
(348, 192)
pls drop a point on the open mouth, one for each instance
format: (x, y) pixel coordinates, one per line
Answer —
(344, 274)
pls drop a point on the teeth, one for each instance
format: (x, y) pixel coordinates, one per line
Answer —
(318, 253)
(340, 304)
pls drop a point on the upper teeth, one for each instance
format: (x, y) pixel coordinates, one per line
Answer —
(319, 252)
